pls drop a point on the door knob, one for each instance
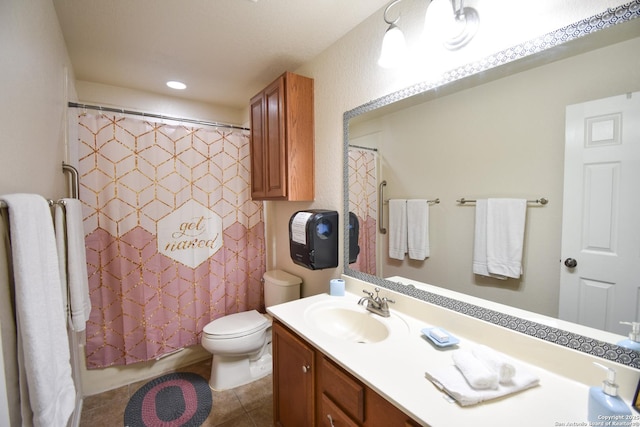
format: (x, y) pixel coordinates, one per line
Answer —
(570, 262)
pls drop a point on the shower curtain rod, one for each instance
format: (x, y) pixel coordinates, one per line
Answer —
(155, 116)
(362, 148)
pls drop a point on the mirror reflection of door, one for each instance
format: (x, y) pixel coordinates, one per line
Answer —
(363, 165)
(600, 265)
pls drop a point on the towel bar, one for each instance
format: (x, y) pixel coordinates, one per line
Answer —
(382, 201)
(541, 201)
(3, 205)
(431, 202)
(381, 227)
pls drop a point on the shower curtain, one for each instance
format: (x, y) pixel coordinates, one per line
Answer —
(173, 238)
(363, 202)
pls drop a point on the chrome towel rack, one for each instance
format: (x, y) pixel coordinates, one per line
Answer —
(431, 202)
(540, 201)
(75, 179)
(3, 204)
(381, 227)
(382, 201)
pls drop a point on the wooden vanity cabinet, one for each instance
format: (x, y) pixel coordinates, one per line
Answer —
(309, 389)
(282, 140)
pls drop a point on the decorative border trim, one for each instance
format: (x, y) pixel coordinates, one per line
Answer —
(611, 352)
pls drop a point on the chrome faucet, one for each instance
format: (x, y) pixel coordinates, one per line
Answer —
(377, 305)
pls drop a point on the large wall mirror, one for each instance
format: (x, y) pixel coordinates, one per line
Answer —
(495, 128)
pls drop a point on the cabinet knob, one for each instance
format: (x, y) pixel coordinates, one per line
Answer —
(330, 420)
(306, 368)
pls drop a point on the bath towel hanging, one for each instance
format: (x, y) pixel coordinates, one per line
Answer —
(42, 334)
(71, 248)
(418, 228)
(505, 236)
(397, 228)
(499, 237)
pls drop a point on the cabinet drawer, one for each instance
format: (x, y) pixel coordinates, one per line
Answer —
(332, 416)
(344, 391)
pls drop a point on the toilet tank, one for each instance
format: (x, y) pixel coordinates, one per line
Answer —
(280, 287)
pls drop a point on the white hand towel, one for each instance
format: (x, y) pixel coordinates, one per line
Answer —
(505, 236)
(497, 362)
(451, 381)
(397, 228)
(43, 340)
(418, 228)
(477, 374)
(70, 237)
(480, 241)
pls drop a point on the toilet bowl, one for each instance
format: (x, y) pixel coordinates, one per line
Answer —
(238, 343)
(241, 342)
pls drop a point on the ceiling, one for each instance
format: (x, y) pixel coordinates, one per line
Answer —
(224, 50)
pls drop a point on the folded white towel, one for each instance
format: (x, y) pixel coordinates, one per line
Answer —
(451, 381)
(497, 362)
(418, 228)
(397, 228)
(477, 374)
(71, 248)
(42, 333)
(505, 236)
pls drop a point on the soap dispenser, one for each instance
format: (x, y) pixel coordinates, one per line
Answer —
(633, 342)
(604, 401)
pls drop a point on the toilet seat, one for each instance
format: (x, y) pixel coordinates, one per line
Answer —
(236, 325)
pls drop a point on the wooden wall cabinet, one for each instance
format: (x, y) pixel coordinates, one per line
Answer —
(282, 140)
(311, 390)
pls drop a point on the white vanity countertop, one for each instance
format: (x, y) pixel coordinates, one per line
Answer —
(396, 368)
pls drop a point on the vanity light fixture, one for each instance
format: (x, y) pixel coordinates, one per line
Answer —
(394, 46)
(176, 85)
(449, 20)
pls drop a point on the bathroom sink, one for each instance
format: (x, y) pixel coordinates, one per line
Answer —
(353, 323)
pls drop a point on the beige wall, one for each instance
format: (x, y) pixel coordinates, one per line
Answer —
(35, 82)
(500, 139)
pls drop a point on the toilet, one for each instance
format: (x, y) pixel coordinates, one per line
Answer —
(241, 342)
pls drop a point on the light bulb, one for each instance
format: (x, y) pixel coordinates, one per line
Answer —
(439, 21)
(176, 85)
(394, 48)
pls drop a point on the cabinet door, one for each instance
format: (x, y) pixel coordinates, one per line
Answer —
(258, 188)
(381, 413)
(275, 162)
(293, 380)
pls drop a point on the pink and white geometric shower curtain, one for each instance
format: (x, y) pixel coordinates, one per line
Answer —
(173, 238)
(363, 202)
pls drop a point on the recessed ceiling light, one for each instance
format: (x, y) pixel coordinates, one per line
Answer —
(176, 85)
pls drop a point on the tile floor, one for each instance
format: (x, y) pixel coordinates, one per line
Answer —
(250, 405)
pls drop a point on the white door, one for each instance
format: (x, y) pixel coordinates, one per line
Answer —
(601, 214)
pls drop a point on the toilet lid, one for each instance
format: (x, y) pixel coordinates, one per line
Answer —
(236, 325)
